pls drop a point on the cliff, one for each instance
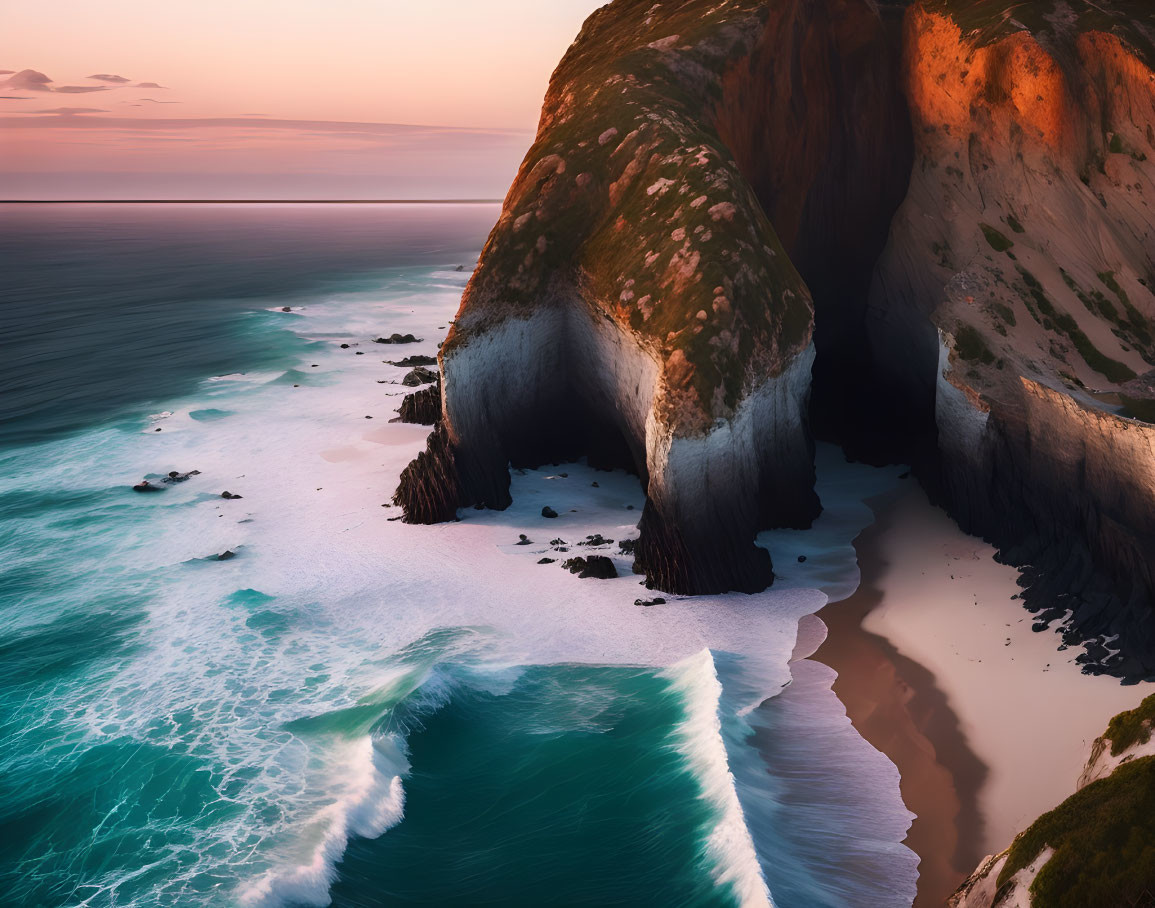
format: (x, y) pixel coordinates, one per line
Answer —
(1097, 847)
(635, 303)
(1011, 311)
(921, 229)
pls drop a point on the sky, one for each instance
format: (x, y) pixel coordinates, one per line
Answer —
(298, 99)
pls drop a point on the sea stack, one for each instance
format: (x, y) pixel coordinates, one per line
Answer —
(921, 228)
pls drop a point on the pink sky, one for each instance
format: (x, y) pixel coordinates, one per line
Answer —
(294, 99)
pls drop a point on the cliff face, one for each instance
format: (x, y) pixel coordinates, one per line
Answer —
(923, 226)
(1011, 311)
(635, 303)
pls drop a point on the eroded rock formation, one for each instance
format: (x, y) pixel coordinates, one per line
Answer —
(926, 225)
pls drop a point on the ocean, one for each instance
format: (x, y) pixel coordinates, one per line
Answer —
(345, 709)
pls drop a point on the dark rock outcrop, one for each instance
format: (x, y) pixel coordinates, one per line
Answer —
(418, 376)
(598, 567)
(397, 339)
(421, 407)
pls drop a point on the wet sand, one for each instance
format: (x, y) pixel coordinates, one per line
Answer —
(895, 704)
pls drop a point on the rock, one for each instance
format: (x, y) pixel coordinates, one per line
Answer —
(421, 407)
(418, 359)
(286, 309)
(344, 346)
(596, 539)
(547, 511)
(419, 376)
(230, 496)
(397, 339)
(523, 540)
(546, 560)
(801, 559)
(596, 566)
(459, 268)
(655, 601)
(145, 486)
(626, 546)
(226, 555)
(175, 477)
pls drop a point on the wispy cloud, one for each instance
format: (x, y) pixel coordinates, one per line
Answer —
(109, 77)
(150, 85)
(70, 111)
(155, 101)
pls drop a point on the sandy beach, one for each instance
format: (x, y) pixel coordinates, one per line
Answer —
(987, 721)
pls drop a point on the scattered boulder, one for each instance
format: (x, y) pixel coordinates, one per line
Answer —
(801, 558)
(226, 555)
(397, 339)
(286, 309)
(522, 539)
(598, 567)
(417, 359)
(596, 539)
(459, 268)
(418, 376)
(344, 346)
(656, 601)
(145, 486)
(546, 560)
(547, 511)
(229, 496)
(626, 546)
(175, 476)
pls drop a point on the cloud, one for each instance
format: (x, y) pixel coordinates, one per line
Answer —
(28, 80)
(14, 98)
(108, 77)
(155, 101)
(150, 85)
(31, 80)
(69, 111)
(6, 72)
(79, 89)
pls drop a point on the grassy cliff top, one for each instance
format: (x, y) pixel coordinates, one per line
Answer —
(1103, 838)
(630, 199)
(1054, 22)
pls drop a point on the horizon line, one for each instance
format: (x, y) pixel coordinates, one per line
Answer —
(251, 201)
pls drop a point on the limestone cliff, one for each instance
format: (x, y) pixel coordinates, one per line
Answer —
(1011, 312)
(923, 229)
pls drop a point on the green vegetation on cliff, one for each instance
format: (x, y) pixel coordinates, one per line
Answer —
(1103, 839)
(1132, 727)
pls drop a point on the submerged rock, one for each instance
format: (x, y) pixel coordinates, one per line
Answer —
(226, 555)
(230, 496)
(547, 511)
(145, 486)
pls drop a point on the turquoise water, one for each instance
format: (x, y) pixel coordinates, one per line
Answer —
(348, 710)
